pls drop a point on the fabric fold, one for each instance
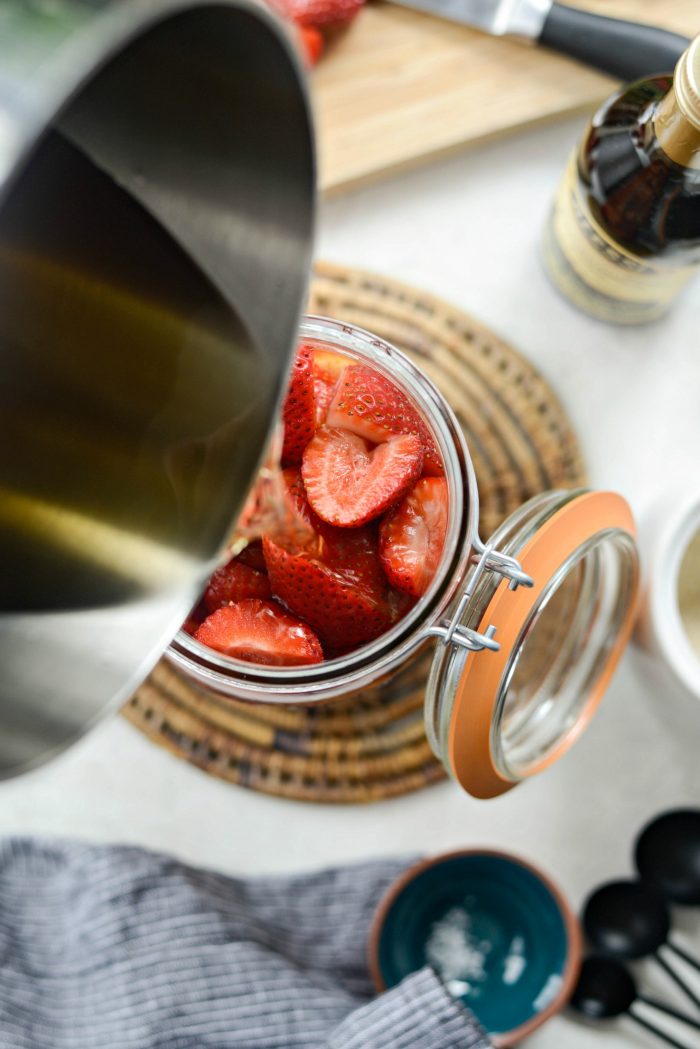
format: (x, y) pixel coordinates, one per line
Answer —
(418, 1014)
(115, 947)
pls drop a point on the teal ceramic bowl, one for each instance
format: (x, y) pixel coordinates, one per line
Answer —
(497, 932)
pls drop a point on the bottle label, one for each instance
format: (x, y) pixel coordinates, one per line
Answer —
(596, 273)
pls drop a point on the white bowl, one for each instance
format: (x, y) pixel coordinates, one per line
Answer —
(665, 538)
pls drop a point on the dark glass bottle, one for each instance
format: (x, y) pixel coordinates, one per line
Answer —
(624, 234)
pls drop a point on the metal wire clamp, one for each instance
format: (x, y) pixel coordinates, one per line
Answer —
(485, 559)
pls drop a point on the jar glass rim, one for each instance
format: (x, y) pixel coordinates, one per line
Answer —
(529, 729)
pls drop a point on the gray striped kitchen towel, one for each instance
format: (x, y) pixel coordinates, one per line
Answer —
(111, 947)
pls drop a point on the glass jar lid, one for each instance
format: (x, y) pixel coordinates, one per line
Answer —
(534, 638)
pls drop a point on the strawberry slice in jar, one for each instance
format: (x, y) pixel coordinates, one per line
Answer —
(368, 404)
(299, 408)
(260, 632)
(234, 582)
(412, 536)
(348, 482)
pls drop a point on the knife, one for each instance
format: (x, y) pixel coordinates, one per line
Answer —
(626, 50)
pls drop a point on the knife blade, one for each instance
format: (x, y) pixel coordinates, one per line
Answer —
(627, 50)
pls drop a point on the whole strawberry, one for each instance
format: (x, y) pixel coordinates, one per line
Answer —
(322, 12)
(312, 43)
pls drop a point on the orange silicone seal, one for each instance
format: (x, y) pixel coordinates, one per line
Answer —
(469, 739)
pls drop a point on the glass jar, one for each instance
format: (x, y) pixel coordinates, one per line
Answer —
(527, 628)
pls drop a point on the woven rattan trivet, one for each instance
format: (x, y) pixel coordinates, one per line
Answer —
(521, 443)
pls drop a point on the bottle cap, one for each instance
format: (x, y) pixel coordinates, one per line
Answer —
(686, 83)
(677, 119)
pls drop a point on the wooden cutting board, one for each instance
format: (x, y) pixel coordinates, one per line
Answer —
(398, 88)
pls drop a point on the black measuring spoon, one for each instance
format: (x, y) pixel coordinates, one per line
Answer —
(630, 919)
(667, 855)
(606, 989)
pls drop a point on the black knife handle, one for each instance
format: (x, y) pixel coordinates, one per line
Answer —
(626, 50)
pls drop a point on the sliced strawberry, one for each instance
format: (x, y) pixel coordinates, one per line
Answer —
(299, 410)
(196, 616)
(324, 393)
(235, 582)
(260, 632)
(353, 554)
(411, 536)
(312, 43)
(265, 505)
(252, 556)
(328, 367)
(297, 494)
(400, 605)
(369, 405)
(349, 483)
(269, 511)
(321, 12)
(338, 599)
(336, 583)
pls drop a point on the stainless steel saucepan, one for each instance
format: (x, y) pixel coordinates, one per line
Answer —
(156, 212)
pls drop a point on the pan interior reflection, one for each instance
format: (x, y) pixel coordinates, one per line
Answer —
(128, 383)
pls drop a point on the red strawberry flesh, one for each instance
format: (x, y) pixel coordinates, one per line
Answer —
(270, 511)
(328, 367)
(235, 582)
(349, 483)
(324, 392)
(312, 42)
(260, 632)
(412, 536)
(321, 12)
(371, 406)
(252, 555)
(351, 552)
(352, 527)
(297, 496)
(338, 602)
(196, 616)
(400, 604)
(299, 409)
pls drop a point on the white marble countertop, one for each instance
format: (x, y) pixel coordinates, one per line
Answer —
(466, 228)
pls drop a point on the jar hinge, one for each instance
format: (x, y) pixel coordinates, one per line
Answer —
(485, 559)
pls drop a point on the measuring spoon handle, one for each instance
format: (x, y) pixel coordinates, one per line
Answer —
(689, 958)
(654, 1003)
(657, 1031)
(678, 980)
